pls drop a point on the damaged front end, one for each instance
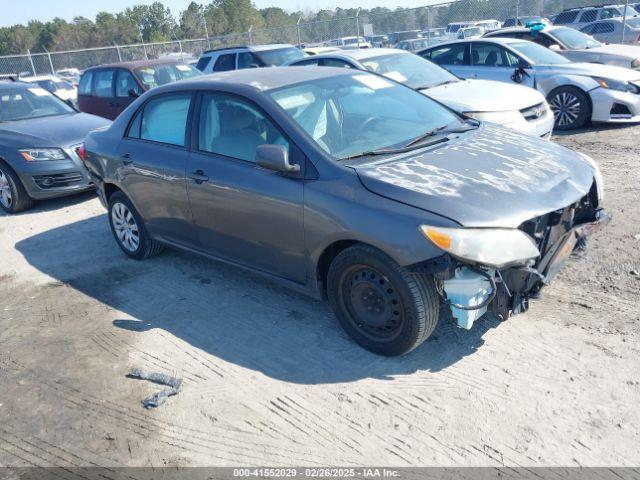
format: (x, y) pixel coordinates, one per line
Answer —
(497, 270)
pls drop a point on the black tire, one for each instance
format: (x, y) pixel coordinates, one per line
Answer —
(385, 308)
(571, 107)
(138, 246)
(17, 199)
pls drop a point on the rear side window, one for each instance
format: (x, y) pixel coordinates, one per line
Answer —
(202, 63)
(85, 84)
(334, 62)
(225, 63)
(449, 55)
(104, 83)
(609, 13)
(164, 119)
(566, 17)
(604, 27)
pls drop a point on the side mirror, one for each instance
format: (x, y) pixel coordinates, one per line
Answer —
(276, 158)
(254, 65)
(555, 47)
(133, 93)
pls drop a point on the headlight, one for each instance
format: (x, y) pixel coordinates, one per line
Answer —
(616, 85)
(39, 154)
(502, 118)
(597, 175)
(492, 247)
(635, 63)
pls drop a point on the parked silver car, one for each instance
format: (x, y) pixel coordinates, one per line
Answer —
(580, 16)
(610, 31)
(575, 45)
(576, 92)
(513, 106)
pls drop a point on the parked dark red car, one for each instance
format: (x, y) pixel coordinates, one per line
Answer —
(106, 90)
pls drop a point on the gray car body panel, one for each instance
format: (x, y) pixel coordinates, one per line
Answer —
(367, 201)
(60, 131)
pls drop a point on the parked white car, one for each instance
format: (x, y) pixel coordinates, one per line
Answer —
(575, 45)
(62, 89)
(576, 92)
(513, 106)
(347, 43)
(489, 25)
(71, 75)
(610, 31)
(470, 32)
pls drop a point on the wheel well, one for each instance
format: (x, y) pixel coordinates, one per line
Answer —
(110, 189)
(327, 256)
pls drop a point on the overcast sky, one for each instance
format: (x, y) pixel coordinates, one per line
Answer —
(21, 12)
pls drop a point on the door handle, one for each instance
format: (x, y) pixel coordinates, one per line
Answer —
(199, 177)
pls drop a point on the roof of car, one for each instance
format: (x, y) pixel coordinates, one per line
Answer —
(254, 48)
(522, 30)
(362, 53)
(135, 64)
(17, 84)
(262, 79)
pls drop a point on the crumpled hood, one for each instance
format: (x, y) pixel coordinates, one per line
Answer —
(55, 131)
(490, 177)
(484, 96)
(597, 70)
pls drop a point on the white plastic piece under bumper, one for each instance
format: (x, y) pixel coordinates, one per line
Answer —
(604, 100)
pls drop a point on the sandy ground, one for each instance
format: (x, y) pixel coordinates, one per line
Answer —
(271, 379)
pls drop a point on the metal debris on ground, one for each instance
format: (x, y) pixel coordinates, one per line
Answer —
(160, 397)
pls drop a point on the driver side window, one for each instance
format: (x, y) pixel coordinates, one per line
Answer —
(234, 128)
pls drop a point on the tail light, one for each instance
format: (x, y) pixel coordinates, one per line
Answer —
(82, 152)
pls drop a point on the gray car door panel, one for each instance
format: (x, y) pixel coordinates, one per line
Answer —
(242, 212)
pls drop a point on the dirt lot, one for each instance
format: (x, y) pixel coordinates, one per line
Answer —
(269, 376)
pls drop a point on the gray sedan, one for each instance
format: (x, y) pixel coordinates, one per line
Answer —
(348, 186)
(40, 139)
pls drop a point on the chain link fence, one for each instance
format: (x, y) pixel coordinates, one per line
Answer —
(368, 24)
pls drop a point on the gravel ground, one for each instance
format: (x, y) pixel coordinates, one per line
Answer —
(269, 378)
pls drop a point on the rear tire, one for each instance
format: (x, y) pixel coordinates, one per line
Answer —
(129, 231)
(13, 196)
(570, 106)
(385, 308)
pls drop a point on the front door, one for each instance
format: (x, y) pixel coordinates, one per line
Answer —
(126, 90)
(153, 159)
(242, 212)
(490, 61)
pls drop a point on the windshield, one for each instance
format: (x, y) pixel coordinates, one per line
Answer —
(350, 114)
(280, 56)
(573, 39)
(156, 75)
(410, 69)
(538, 54)
(33, 102)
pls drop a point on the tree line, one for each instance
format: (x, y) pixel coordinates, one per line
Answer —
(156, 23)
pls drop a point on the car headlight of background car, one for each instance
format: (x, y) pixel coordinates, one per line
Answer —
(40, 154)
(597, 175)
(491, 247)
(616, 85)
(502, 118)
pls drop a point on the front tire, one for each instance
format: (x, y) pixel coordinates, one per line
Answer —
(13, 196)
(128, 229)
(570, 106)
(385, 308)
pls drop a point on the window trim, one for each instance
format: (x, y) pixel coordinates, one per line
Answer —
(295, 153)
(188, 124)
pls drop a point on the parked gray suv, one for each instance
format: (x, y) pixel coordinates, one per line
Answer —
(40, 146)
(349, 186)
(253, 56)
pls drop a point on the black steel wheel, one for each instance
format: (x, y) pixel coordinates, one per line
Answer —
(381, 305)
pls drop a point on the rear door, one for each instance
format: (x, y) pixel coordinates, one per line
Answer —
(103, 99)
(453, 56)
(153, 158)
(242, 212)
